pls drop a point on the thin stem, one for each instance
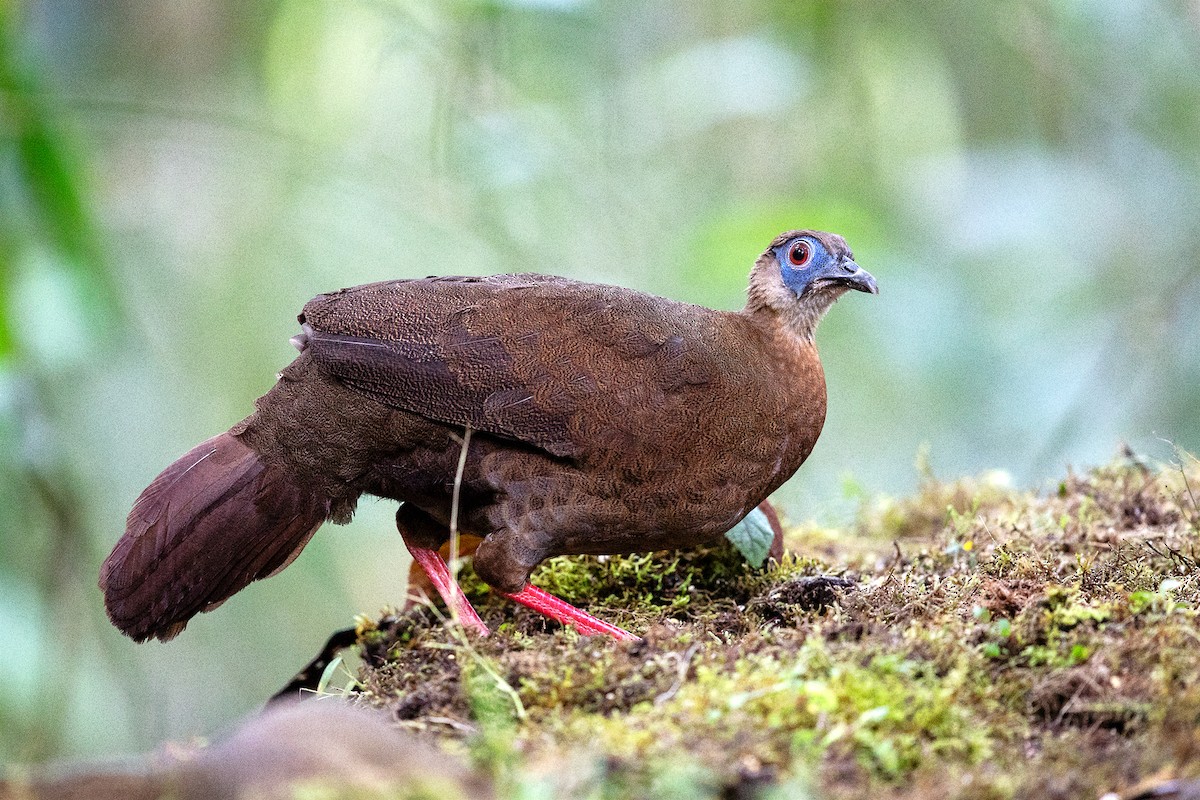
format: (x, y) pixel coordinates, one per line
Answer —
(458, 476)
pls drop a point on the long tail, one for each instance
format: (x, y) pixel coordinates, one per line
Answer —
(211, 523)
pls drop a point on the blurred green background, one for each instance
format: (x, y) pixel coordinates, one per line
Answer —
(177, 178)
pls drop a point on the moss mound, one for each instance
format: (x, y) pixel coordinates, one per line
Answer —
(975, 642)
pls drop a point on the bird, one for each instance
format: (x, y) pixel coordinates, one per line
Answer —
(542, 415)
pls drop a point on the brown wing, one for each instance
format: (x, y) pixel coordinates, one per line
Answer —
(558, 364)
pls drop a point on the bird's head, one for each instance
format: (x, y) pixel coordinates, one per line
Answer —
(800, 276)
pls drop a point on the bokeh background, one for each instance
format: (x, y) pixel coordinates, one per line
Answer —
(177, 178)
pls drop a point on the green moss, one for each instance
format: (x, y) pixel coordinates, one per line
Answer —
(995, 643)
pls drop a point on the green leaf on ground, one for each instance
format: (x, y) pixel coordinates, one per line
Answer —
(752, 537)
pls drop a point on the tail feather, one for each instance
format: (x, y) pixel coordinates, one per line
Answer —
(211, 523)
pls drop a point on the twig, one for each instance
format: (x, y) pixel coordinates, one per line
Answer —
(450, 722)
(458, 477)
(1193, 519)
(1194, 522)
(423, 724)
(685, 664)
(307, 679)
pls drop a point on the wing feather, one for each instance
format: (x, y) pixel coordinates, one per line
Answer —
(539, 359)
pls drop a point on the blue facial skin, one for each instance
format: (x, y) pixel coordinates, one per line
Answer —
(821, 266)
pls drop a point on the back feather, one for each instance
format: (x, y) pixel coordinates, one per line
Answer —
(211, 523)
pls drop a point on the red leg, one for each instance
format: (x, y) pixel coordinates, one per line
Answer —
(548, 605)
(439, 575)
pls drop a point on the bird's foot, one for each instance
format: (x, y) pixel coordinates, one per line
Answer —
(439, 575)
(550, 606)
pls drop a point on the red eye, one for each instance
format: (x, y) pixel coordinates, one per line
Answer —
(800, 253)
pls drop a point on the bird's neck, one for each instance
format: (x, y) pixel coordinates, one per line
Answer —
(799, 318)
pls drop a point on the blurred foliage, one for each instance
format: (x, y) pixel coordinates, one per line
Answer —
(48, 241)
(176, 179)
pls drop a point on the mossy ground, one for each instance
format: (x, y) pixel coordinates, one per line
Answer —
(993, 644)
